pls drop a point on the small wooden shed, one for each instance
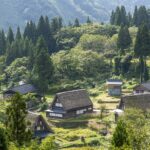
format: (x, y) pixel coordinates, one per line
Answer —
(70, 104)
(114, 87)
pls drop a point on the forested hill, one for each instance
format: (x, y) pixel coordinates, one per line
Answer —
(17, 12)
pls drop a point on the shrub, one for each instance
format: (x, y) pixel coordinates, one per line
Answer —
(94, 142)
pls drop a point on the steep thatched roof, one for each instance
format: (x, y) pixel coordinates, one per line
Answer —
(145, 86)
(73, 99)
(141, 101)
(34, 118)
(22, 89)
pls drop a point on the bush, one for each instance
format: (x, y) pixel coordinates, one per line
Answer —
(44, 106)
(94, 142)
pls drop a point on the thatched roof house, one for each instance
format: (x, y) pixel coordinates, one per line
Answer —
(70, 104)
(141, 101)
(21, 89)
(38, 125)
(142, 88)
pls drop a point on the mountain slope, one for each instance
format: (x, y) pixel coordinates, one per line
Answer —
(17, 12)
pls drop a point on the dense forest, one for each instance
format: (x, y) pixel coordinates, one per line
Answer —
(55, 58)
(49, 52)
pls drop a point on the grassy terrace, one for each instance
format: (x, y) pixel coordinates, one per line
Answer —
(69, 132)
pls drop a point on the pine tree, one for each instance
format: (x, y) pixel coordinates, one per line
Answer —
(135, 16)
(112, 18)
(117, 66)
(146, 73)
(123, 16)
(60, 23)
(41, 27)
(43, 67)
(30, 32)
(117, 17)
(129, 19)
(54, 25)
(18, 34)
(16, 120)
(124, 39)
(10, 36)
(88, 20)
(2, 43)
(142, 45)
(76, 23)
(142, 16)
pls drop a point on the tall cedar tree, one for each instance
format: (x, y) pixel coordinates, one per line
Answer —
(117, 20)
(88, 20)
(129, 19)
(112, 18)
(76, 23)
(56, 24)
(124, 39)
(10, 36)
(43, 65)
(142, 16)
(2, 43)
(146, 73)
(18, 34)
(16, 120)
(123, 16)
(142, 47)
(135, 16)
(3, 139)
(30, 32)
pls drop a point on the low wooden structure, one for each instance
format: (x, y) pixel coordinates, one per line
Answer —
(114, 87)
(142, 88)
(70, 104)
(140, 101)
(21, 89)
(38, 125)
(34, 97)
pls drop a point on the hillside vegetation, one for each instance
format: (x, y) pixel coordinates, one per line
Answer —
(56, 58)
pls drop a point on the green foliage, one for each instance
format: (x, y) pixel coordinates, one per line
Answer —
(18, 70)
(16, 120)
(18, 34)
(76, 23)
(75, 64)
(48, 144)
(2, 43)
(93, 42)
(119, 17)
(43, 67)
(142, 41)
(124, 39)
(3, 138)
(10, 35)
(133, 127)
(120, 136)
(141, 48)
